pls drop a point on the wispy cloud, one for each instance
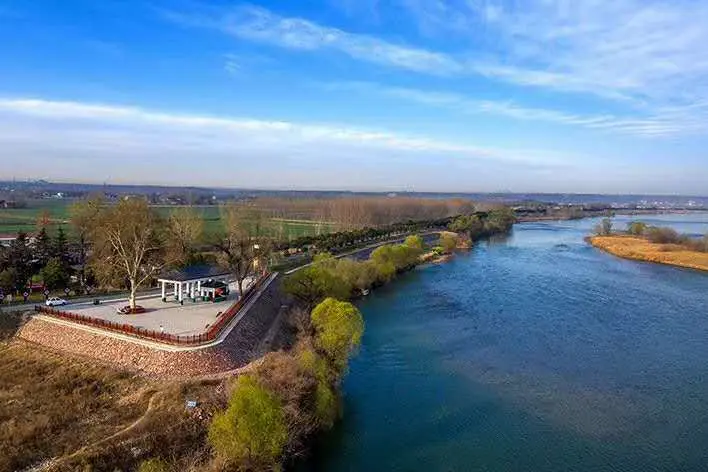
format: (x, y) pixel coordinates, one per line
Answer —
(99, 141)
(232, 130)
(632, 49)
(664, 122)
(263, 26)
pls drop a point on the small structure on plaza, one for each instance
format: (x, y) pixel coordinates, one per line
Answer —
(196, 283)
(214, 291)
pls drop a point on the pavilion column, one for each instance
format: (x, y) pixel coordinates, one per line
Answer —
(199, 288)
(163, 290)
(179, 291)
(175, 287)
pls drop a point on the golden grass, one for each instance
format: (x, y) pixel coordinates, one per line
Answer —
(640, 249)
(51, 405)
(77, 414)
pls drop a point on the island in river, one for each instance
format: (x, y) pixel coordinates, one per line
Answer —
(640, 249)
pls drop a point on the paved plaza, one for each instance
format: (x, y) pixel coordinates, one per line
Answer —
(188, 319)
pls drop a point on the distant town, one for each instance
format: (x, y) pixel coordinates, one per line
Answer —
(18, 194)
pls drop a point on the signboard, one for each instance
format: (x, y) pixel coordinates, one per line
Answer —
(89, 289)
(26, 295)
(67, 290)
(2, 296)
(191, 403)
(46, 292)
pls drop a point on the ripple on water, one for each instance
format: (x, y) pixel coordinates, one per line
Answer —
(534, 353)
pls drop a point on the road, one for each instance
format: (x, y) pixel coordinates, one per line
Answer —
(104, 298)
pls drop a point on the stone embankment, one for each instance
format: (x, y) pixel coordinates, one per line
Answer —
(239, 348)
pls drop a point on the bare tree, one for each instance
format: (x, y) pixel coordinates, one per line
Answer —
(241, 245)
(186, 227)
(128, 244)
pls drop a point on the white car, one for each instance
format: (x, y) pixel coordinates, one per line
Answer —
(55, 301)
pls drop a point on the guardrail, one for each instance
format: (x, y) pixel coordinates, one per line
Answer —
(191, 340)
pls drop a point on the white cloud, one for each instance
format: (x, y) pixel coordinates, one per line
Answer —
(231, 133)
(643, 50)
(649, 55)
(260, 25)
(97, 142)
(665, 122)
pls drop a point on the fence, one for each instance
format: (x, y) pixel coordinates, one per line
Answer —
(211, 334)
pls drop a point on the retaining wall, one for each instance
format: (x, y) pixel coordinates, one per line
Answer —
(236, 350)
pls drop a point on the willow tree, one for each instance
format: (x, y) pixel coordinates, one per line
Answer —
(128, 244)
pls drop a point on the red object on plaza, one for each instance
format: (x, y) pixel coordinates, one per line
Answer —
(127, 310)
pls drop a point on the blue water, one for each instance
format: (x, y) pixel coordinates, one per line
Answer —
(532, 353)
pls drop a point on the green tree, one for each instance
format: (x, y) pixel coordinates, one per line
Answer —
(9, 280)
(338, 329)
(251, 433)
(358, 275)
(55, 274)
(499, 220)
(42, 247)
(448, 242)
(59, 246)
(414, 242)
(19, 258)
(315, 283)
(467, 224)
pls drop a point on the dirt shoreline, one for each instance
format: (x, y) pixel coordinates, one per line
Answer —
(640, 249)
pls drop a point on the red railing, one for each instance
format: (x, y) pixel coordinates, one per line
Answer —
(211, 334)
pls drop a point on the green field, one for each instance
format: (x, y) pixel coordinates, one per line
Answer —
(13, 221)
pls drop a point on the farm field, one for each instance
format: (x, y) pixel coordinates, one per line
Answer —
(56, 213)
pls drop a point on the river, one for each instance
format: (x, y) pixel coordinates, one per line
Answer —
(532, 353)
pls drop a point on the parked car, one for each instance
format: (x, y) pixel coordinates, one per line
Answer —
(55, 301)
(126, 310)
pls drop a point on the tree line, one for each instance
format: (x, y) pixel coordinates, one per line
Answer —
(127, 244)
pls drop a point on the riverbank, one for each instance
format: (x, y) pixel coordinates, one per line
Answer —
(640, 249)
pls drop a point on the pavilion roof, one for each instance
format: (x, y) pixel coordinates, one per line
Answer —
(194, 272)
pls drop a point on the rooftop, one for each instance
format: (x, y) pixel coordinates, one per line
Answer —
(195, 272)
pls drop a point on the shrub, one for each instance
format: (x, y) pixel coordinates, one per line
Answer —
(448, 242)
(414, 242)
(636, 228)
(338, 330)
(154, 465)
(314, 283)
(663, 235)
(251, 433)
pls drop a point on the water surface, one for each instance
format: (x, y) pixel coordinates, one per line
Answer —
(533, 353)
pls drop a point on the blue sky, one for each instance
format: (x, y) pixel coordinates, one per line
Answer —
(426, 95)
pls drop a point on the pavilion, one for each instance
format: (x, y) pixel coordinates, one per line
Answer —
(192, 282)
